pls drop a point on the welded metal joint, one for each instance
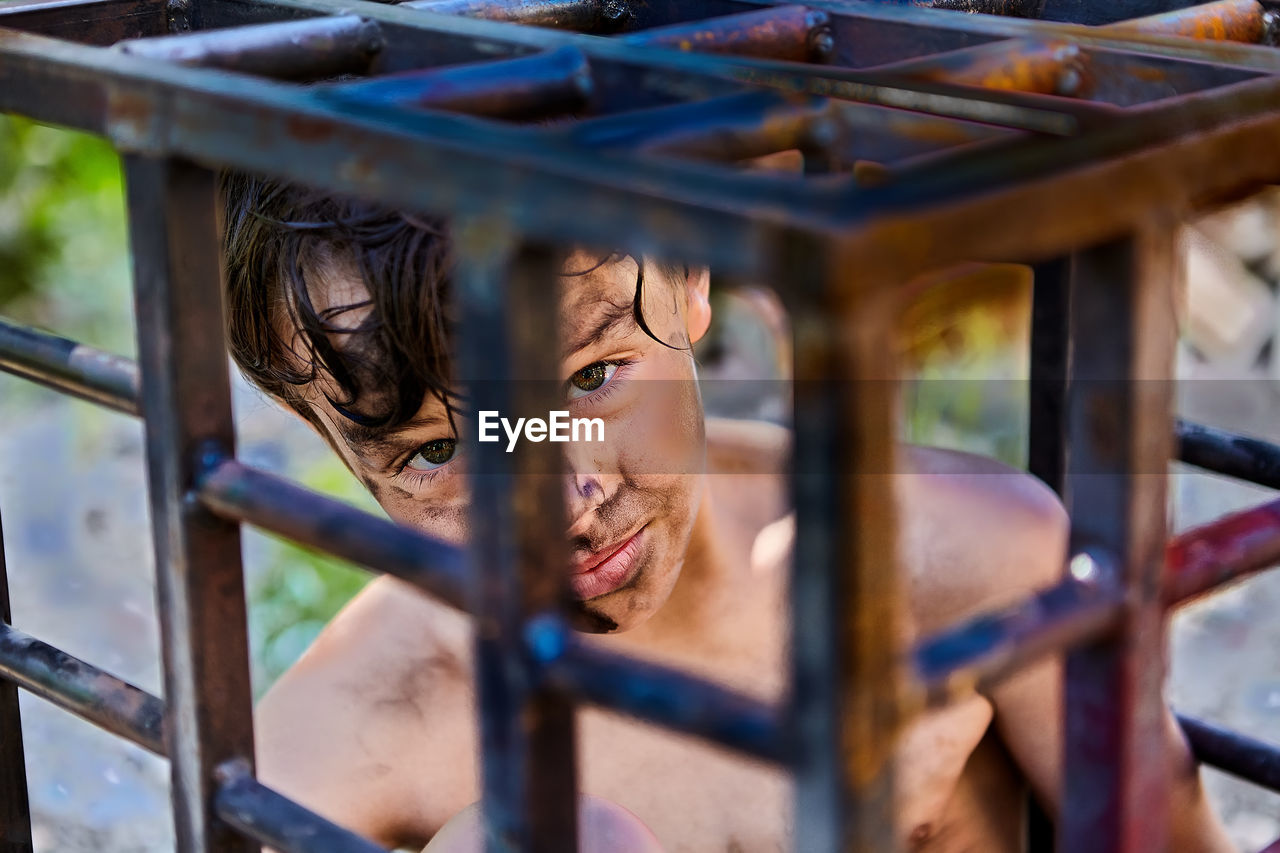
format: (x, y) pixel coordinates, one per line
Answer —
(822, 43)
(180, 16)
(1271, 28)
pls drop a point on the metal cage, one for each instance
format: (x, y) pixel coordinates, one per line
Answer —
(929, 138)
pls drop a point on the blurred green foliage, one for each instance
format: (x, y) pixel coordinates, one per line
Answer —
(299, 590)
(64, 266)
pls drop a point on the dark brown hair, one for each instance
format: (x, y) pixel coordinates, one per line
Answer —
(277, 237)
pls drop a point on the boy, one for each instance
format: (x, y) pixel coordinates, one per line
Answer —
(679, 538)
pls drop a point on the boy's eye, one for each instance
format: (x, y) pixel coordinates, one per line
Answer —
(590, 378)
(433, 454)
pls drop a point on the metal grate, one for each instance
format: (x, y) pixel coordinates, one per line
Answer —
(929, 138)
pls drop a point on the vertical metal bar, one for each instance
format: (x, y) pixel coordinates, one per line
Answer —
(187, 408)
(1120, 420)
(846, 597)
(1050, 370)
(15, 808)
(1047, 440)
(509, 363)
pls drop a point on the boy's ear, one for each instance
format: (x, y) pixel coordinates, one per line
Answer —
(698, 288)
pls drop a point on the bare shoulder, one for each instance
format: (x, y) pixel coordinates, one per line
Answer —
(747, 468)
(372, 727)
(976, 534)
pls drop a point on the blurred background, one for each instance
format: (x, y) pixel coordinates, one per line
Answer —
(72, 482)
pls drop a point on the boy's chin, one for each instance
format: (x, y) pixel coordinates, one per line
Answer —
(605, 617)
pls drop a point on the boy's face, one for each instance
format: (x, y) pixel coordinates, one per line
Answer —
(631, 499)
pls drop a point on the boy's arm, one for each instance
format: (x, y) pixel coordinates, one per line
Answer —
(367, 728)
(1029, 719)
(982, 536)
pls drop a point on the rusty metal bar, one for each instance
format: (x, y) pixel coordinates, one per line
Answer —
(508, 359)
(69, 367)
(288, 50)
(1240, 456)
(187, 410)
(657, 694)
(15, 806)
(81, 688)
(237, 492)
(1115, 781)
(260, 813)
(1050, 371)
(980, 652)
(1228, 549)
(1247, 758)
(544, 84)
(94, 22)
(588, 16)
(848, 677)
(733, 127)
(1224, 20)
(793, 33)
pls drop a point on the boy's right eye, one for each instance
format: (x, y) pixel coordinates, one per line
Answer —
(433, 454)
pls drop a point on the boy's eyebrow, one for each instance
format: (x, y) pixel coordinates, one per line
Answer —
(364, 440)
(613, 316)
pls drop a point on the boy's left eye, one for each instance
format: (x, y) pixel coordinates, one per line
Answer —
(593, 377)
(433, 454)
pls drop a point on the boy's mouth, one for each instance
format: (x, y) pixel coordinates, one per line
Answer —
(601, 572)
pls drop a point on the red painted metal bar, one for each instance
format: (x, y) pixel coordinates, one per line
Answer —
(69, 367)
(793, 33)
(544, 84)
(288, 50)
(1115, 797)
(15, 806)
(81, 688)
(187, 410)
(977, 654)
(1230, 548)
(240, 493)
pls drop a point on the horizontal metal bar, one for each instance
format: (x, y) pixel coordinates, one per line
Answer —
(69, 367)
(792, 33)
(588, 16)
(83, 689)
(96, 22)
(1247, 758)
(1224, 20)
(656, 694)
(545, 84)
(978, 653)
(1234, 455)
(240, 493)
(729, 128)
(1227, 549)
(273, 819)
(288, 50)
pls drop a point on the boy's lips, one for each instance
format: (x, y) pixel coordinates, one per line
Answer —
(604, 571)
